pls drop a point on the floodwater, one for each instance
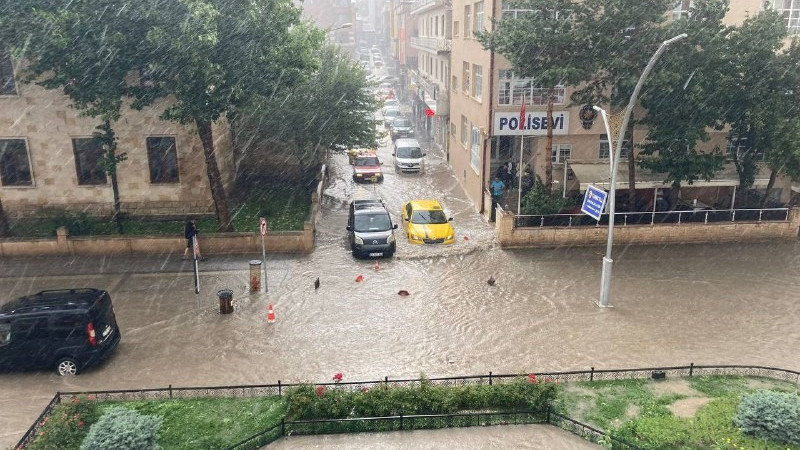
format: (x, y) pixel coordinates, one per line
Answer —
(707, 304)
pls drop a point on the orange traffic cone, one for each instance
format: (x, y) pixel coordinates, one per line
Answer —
(270, 314)
(359, 278)
(377, 266)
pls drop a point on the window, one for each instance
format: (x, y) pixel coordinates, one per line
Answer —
(604, 148)
(681, 9)
(465, 77)
(464, 131)
(452, 129)
(513, 88)
(512, 13)
(467, 21)
(455, 28)
(15, 166)
(68, 326)
(791, 14)
(478, 17)
(5, 333)
(475, 149)
(29, 328)
(477, 81)
(455, 83)
(163, 159)
(561, 153)
(7, 84)
(87, 161)
(739, 146)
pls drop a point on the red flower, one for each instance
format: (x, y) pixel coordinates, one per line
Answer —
(364, 389)
(338, 377)
(532, 378)
(80, 424)
(91, 397)
(320, 390)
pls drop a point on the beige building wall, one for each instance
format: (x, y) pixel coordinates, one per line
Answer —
(45, 119)
(470, 108)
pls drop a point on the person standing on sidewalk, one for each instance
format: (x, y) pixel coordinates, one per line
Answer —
(192, 247)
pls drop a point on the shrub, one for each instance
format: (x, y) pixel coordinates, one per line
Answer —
(67, 425)
(540, 201)
(123, 428)
(78, 223)
(770, 415)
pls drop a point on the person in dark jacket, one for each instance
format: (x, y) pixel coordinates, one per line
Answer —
(190, 232)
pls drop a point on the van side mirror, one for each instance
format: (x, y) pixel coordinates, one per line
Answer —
(424, 154)
(449, 219)
(394, 154)
(394, 227)
(349, 228)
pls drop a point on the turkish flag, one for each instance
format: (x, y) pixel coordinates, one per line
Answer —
(522, 115)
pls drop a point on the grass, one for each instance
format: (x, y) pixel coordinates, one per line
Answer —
(188, 423)
(286, 208)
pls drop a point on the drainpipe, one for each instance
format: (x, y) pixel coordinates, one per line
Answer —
(487, 146)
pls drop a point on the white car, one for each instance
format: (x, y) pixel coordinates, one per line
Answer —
(408, 156)
(391, 102)
(389, 114)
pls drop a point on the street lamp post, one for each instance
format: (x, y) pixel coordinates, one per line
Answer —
(605, 278)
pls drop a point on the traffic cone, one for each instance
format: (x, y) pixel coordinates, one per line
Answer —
(270, 314)
(359, 278)
(377, 266)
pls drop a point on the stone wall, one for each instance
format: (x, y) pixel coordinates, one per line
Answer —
(510, 237)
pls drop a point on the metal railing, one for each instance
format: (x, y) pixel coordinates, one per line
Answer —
(432, 44)
(278, 389)
(653, 218)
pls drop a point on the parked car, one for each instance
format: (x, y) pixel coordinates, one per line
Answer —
(370, 229)
(426, 223)
(391, 102)
(401, 127)
(408, 156)
(367, 167)
(67, 330)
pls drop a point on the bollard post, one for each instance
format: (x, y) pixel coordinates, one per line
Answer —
(255, 275)
(225, 301)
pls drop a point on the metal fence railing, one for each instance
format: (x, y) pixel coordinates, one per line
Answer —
(653, 218)
(279, 388)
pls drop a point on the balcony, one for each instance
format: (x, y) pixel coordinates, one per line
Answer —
(440, 46)
(426, 5)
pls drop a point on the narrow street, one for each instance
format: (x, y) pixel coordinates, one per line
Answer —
(707, 304)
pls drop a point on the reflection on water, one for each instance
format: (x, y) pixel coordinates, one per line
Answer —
(708, 304)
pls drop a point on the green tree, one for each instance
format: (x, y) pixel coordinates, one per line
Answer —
(209, 56)
(331, 110)
(682, 100)
(602, 46)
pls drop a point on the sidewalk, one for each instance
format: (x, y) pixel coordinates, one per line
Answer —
(33, 266)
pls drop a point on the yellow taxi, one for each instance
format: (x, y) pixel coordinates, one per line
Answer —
(426, 223)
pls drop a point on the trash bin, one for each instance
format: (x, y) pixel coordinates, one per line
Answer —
(225, 301)
(255, 275)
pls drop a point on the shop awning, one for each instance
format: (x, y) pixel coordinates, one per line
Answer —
(599, 174)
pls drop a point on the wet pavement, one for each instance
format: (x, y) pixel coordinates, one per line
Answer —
(707, 304)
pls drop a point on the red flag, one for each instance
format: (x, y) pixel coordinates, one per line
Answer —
(522, 115)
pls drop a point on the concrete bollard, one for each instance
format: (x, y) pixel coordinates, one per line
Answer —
(255, 275)
(225, 301)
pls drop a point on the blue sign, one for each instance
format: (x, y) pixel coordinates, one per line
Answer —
(594, 202)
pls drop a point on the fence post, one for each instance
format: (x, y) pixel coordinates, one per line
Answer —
(653, 218)
(691, 368)
(386, 380)
(679, 217)
(706, 221)
(490, 378)
(760, 211)
(733, 216)
(541, 222)
(570, 221)
(280, 391)
(591, 375)
(626, 220)
(170, 391)
(401, 421)
(283, 427)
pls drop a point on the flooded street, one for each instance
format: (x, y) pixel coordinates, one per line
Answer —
(707, 304)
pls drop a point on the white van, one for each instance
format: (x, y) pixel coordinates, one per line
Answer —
(408, 156)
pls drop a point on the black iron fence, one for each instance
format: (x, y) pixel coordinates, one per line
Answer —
(653, 218)
(277, 389)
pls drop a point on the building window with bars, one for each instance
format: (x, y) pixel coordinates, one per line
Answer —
(465, 77)
(475, 149)
(15, 164)
(478, 10)
(464, 131)
(477, 81)
(561, 153)
(467, 21)
(790, 9)
(682, 9)
(513, 89)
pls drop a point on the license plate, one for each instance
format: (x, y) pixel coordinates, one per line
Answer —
(376, 254)
(107, 330)
(374, 179)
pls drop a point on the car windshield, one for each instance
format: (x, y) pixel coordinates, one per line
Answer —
(392, 113)
(402, 123)
(372, 222)
(367, 161)
(409, 152)
(428, 216)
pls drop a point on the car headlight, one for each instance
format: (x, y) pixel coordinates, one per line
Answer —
(414, 237)
(449, 237)
(390, 239)
(359, 241)
(359, 175)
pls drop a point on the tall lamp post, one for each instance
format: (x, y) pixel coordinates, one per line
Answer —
(605, 279)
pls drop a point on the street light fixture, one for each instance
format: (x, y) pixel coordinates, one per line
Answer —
(340, 27)
(605, 278)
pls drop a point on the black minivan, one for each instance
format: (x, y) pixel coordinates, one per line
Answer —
(67, 330)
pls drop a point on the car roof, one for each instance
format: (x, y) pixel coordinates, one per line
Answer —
(51, 300)
(406, 142)
(369, 206)
(426, 204)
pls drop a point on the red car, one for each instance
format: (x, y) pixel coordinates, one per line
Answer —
(367, 167)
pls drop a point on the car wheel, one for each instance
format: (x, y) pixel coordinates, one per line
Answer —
(67, 366)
